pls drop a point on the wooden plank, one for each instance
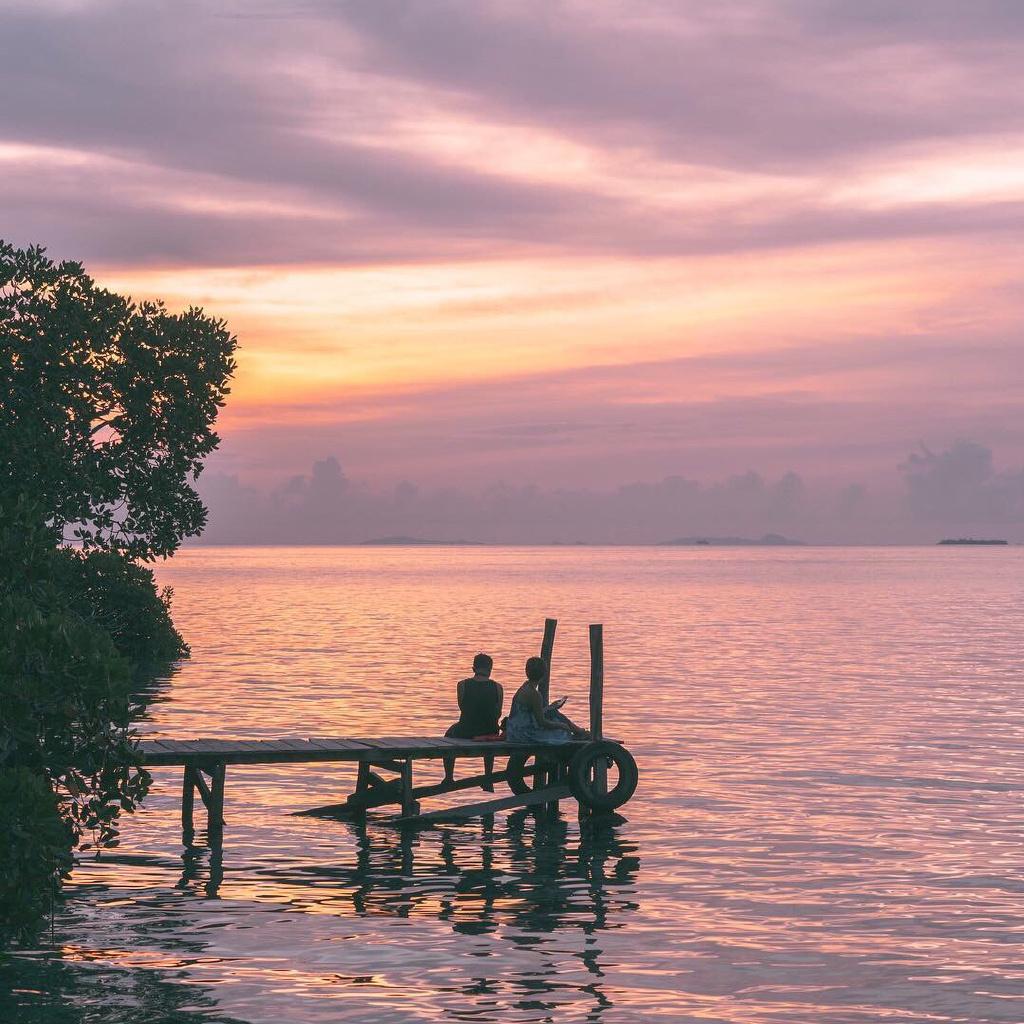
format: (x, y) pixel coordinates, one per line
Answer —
(171, 746)
(470, 782)
(290, 743)
(373, 744)
(395, 744)
(363, 801)
(467, 748)
(206, 748)
(466, 811)
(445, 745)
(335, 743)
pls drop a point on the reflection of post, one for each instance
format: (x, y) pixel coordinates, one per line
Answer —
(597, 699)
(546, 647)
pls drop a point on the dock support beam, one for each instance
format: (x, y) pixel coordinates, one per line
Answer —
(188, 791)
(215, 814)
(410, 805)
(212, 796)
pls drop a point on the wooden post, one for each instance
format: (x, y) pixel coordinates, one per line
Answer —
(546, 647)
(409, 804)
(188, 791)
(597, 698)
(215, 813)
(596, 681)
(554, 779)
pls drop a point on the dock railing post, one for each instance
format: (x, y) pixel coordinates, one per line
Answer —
(597, 698)
(547, 646)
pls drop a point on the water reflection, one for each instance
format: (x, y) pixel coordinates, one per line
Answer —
(56, 987)
(830, 748)
(528, 870)
(529, 882)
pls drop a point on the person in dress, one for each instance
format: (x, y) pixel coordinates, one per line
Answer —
(480, 701)
(529, 721)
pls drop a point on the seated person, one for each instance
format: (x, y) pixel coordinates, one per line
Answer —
(480, 700)
(529, 721)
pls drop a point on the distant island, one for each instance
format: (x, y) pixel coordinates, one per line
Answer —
(769, 540)
(408, 542)
(970, 540)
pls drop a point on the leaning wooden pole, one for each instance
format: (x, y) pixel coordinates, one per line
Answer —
(547, 646)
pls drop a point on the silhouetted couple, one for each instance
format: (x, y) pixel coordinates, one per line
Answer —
(529, 721)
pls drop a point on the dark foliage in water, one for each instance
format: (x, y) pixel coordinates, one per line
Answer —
(121, 597)
(106, 411)
(67, 755)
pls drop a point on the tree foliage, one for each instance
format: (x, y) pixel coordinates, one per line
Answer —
(106, 412)
(107, 405)
(68, 760)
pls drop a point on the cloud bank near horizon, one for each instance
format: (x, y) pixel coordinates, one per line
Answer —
(957, 491)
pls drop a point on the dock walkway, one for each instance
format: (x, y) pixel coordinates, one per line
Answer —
(296, 750)
(205, 764)
(538, 774)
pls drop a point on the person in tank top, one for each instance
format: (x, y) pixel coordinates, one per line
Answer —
(480, 700)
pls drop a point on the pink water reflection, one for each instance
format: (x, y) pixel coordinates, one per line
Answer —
(827, 827)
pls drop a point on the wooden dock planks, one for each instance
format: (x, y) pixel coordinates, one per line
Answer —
(298, 750)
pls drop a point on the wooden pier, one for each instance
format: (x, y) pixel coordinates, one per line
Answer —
(537, 774)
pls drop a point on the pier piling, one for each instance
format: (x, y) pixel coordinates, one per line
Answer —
(597, 699)
(547, 647)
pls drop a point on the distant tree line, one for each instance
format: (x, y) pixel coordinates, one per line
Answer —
(106, 414)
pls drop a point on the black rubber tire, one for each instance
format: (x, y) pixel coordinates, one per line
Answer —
(516, 781)
(579, 775)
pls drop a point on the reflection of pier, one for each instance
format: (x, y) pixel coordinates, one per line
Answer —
(525, 876)
(539, 775)
(522, 865)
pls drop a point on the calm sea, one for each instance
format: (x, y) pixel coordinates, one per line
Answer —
(829, 825)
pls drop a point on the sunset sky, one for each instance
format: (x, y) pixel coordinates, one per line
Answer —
(537, 249)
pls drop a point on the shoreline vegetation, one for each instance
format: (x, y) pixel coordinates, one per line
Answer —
(106, 413)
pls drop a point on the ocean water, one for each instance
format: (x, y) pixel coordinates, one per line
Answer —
(829, 825)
